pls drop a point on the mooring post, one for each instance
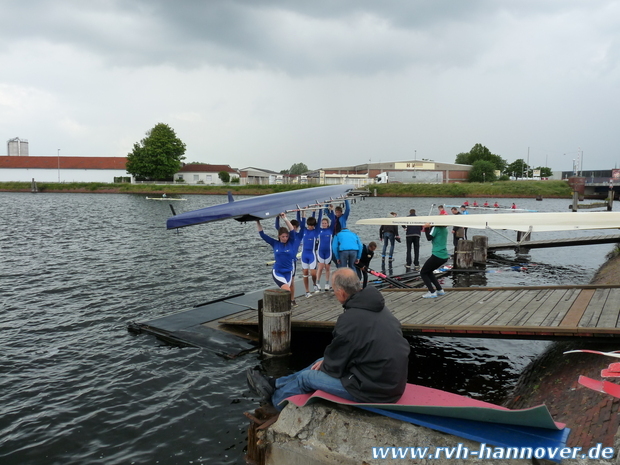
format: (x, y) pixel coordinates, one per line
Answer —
(522, 238)
(276, 327)
(464, 255)
(481, 244)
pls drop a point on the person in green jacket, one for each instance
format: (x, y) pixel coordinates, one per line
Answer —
(438, 235)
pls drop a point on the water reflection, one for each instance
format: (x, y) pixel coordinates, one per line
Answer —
(77, 388)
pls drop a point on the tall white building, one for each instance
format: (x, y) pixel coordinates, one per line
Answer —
(17, 147)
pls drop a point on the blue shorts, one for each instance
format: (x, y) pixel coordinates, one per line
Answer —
(282, 279)
(324, 256)
(308, 260)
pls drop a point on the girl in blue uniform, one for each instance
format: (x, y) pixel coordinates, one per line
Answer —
(285, 254)
(308, 252)
(324, 251)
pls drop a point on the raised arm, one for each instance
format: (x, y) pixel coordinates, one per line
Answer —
(288, 223)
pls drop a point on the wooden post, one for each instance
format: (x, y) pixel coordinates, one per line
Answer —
(464, 254)
(575, 205)
(522, 237)
(276, 328)
(481, 244)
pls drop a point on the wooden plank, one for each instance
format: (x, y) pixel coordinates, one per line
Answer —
(317, 308)
(511, 306)
(594, 309)
(561, 308)
(492, 312)
(548, 303)
(539, 304)
(611, 310)
(456, 307)
(426, 310)
(578, 308)
(614, 301)
(517, 311)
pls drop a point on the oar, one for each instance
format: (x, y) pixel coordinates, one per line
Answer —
(387, 279)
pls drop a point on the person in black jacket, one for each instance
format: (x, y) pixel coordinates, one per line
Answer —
(366, 361)
(412, 238)
(362, 266)
(388, 233)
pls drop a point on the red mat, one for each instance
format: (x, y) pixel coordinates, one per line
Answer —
(421, 399)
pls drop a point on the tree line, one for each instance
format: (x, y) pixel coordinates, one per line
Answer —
(159, 155)
(485, 166)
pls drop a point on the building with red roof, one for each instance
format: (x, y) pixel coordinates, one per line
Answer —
(62, 169)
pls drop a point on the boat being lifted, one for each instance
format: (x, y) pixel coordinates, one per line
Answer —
(262, 207)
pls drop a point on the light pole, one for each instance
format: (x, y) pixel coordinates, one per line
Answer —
(59, 165)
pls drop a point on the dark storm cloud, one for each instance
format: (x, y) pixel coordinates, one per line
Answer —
(306, 37)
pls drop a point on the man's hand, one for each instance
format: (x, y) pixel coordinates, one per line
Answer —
(317, 365)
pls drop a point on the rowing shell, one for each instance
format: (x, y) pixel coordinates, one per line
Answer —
(567, 221)
(261, 207)
(162, 198)
(507, 209)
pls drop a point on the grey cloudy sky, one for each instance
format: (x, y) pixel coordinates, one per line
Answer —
(270, 83)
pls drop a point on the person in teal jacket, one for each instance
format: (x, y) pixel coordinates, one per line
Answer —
(347, 249)
(438, 235)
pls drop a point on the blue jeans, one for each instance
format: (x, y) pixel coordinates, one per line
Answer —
(347, 258)
(305, 381)
(388, 237)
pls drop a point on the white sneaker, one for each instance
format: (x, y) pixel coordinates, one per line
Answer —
(442, 292)
(308, 295)
(430, 295)
(317, 288)
(327, 287)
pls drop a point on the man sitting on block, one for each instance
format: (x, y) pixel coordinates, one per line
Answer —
(366, 361)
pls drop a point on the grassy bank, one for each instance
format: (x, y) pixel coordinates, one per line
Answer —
(515, 189)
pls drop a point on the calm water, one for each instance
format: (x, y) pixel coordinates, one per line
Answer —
(76, 387)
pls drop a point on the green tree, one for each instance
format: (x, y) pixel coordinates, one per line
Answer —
(298, 168)
(545, 171)
(480, 153)
(224, 176)
(482, 171)
(518, 169)
(158, 156)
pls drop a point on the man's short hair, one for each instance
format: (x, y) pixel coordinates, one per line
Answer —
(338, 209)
(311, 221)
(412, 212)
(347, 280)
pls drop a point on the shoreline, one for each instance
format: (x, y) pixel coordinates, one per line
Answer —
(497, 190)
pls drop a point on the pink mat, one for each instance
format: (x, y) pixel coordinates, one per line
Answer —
(421, 399)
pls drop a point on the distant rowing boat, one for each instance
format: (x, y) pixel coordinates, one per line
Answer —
(490, 207)
(162, 198)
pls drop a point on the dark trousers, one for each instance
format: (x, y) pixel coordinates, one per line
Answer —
(362, 274)
(427, 275)
(415, 242)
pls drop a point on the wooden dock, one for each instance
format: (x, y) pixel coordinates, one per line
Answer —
(591, 240)
(517, 312)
